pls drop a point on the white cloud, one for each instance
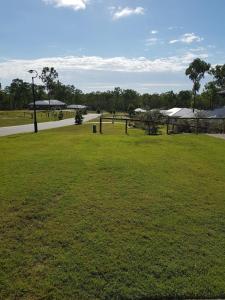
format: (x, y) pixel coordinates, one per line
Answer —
(175, 27)
(187, 38)
(126, 12)
(18, 68)
(151, 41)
(163, 84)
(198, 49)
(211, 46)
(173, 41)
(74, 4)
(154, 31)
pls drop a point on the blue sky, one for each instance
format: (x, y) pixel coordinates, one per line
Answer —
(97, 45)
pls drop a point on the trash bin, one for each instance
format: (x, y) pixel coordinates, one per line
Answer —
(94, 128)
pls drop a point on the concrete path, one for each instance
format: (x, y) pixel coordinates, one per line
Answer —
(4, 131)
(220, 136)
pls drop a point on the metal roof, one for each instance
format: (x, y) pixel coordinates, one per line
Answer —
(140, 110)
(221, 92)
(186, 113)
(76, 106)
(46, 103)
(171, 112)
(216, 113)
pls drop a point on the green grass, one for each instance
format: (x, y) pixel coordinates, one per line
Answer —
(111, 216)
(20, 117)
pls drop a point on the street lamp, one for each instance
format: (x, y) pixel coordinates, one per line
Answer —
(34, 106)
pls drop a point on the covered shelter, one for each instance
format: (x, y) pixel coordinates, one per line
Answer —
(48, 104)
(77, 107)
(140, 110)
(186, 113)
(222, 93)
(216, 113)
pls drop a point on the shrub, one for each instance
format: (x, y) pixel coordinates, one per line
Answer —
(78, 118)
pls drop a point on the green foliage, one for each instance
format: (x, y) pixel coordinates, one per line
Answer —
(78, 117)
(196, 72)
(18, 94)
(130, 110)
(48, 77)
(60, 115)
(111, 216)
(219, 74)
(150, 122)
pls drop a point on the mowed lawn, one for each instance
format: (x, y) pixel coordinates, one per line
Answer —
(21, 117)
(110, 216)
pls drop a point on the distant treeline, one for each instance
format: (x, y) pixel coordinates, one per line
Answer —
(19, 93)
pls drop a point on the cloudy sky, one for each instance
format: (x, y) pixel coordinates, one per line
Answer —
(99, 44)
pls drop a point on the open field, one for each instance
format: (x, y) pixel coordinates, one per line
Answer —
(21, 117)
(111, 216)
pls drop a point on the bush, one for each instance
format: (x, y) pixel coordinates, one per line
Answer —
(78, 118)
(60, 115)
(150, 122)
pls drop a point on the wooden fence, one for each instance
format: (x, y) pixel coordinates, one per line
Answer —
(170, 122)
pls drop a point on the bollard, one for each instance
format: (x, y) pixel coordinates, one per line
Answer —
(94, 129)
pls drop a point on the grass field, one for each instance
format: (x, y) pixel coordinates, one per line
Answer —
(20, 117)
(111, 216)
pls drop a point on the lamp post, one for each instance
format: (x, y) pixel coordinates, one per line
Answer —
(33, 92)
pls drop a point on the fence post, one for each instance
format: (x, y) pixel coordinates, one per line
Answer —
(197, 125)
(100, 125)
(126, 127)
(167, 125)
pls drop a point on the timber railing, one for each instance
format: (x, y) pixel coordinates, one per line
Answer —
(173, 124)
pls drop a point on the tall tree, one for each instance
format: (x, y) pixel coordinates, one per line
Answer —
(196, 72)
(48, 77)
(184, 99)
(219, 75)
(20, 93)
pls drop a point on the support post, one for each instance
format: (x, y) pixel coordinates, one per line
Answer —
(126, 127)
(34, 107)
(100, 125)
(167, 125)
(149, 128)
(197, 125)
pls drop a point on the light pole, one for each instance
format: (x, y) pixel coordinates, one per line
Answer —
(34, 106)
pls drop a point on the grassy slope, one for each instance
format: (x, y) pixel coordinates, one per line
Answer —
(109, 217)
(17, 117)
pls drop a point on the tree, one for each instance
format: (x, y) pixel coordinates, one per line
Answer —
(129, 97)
(196, 72)
(48, 77)
(78, 118)
(169, 99)
(219, 74)
(184, 99)
(130, 110)
(151, 121)
(20, 93)
(210, 94)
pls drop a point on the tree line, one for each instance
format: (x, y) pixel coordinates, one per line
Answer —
(19, 93)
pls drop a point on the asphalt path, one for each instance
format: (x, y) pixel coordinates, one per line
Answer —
(220, 136)
(5, 131)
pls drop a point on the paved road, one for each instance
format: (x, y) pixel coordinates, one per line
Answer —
(220, 136)
(4, 131)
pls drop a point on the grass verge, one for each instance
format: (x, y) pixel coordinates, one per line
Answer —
(111, 216)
